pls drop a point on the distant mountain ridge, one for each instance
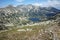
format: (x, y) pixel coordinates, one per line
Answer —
(20, 13)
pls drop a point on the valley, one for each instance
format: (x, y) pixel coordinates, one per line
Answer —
(29, 22)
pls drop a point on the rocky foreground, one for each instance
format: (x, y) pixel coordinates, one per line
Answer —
(49, 31)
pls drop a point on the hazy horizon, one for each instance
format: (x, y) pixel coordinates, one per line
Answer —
(43, 3)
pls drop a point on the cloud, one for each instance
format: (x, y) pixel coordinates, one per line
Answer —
(54, 3)
(20, 0)
(36, 4)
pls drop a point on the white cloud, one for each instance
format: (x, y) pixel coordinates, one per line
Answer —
(19, 0)
(36, 4)
(54, 3)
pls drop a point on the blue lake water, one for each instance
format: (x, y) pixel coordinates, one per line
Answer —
(34, 19)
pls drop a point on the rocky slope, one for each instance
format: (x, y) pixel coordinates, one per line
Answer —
(23, 14)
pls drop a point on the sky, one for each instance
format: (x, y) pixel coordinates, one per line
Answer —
(43, 3)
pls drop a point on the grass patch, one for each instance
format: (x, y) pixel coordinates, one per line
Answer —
(22, 35)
